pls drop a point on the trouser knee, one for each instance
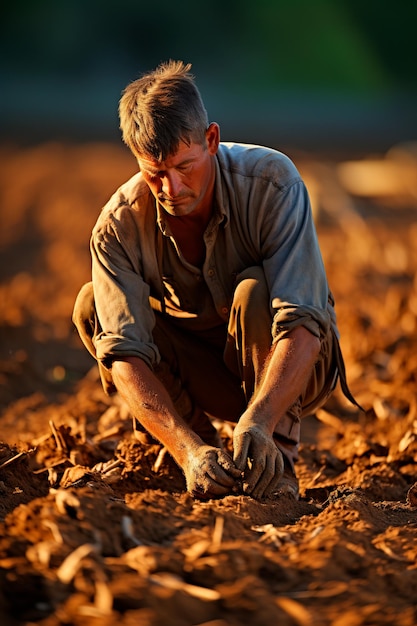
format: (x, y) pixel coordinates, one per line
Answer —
(85, 319)
(84, 316)
(251, 304)
(249, 329)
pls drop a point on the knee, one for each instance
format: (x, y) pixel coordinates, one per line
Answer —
(84, 307)
(84, 317)
(251, 294)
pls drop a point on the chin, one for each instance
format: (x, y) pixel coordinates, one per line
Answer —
(179, 210)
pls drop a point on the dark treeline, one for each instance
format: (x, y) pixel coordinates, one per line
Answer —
(69, 60)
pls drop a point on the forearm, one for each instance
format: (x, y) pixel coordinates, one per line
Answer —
(285, 377)
(208, 470)
(150, 403)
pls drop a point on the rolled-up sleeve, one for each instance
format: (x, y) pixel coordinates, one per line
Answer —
(121, 295)
(293, 264)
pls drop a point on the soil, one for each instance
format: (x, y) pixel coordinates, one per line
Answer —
(95, 525)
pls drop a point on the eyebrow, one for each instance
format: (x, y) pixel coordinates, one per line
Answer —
(156, 170)
(150, 170)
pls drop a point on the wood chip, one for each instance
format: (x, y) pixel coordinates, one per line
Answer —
(412, 496)
(173, 582)
(73, 562)
(127, 530)
(217, 533)
(294, 609)
(12, 459)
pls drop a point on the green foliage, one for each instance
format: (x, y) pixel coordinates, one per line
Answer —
(325, 45)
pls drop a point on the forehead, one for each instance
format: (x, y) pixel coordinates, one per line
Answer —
(184, 153)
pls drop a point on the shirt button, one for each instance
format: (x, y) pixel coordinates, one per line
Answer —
(211, 272)
(225, 310)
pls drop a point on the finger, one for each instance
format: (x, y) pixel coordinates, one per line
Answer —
(218, 475)
(254, 473)
(241, 445)
(270, 476)
(208, 489)
(279, 471)
(225, 461)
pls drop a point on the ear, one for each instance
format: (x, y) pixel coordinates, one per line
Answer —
(213, 138)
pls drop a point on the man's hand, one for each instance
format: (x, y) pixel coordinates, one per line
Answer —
(210, 472)
(256, 454)
(286, 374)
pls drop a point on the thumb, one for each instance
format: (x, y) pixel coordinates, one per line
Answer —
(241, 445)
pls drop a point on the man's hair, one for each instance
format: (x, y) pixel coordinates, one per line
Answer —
(160, 109)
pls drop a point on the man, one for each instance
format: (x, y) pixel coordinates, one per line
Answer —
(209, 298)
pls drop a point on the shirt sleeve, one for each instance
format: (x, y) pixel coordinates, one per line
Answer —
(293, 263)
(121, 295)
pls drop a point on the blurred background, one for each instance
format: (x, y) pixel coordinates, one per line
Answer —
(320, 75)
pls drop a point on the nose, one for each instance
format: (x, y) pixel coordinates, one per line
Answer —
(171, 184)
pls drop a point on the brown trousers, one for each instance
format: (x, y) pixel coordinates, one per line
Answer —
(214, 373)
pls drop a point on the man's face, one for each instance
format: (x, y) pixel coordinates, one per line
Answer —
(183, 183)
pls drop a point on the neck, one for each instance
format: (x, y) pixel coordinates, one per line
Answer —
(188, 232)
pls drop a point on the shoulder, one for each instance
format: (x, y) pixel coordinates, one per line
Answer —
(253, 161)
(128, 204)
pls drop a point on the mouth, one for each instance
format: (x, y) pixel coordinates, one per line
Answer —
(172, 200)
(172, 203)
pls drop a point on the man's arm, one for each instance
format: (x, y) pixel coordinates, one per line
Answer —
(208, 470)
(285, 377)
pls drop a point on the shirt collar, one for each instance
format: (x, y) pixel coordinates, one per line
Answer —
(221, 204)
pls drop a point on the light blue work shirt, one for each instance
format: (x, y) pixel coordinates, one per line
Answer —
(261, 217)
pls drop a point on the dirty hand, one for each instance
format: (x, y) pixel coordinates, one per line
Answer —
(210, 472)
(256, 454)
